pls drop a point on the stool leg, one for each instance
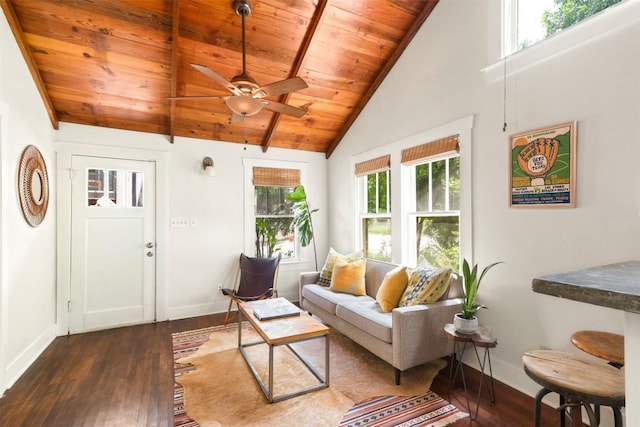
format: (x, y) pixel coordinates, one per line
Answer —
(537, 405)
(617, 417)
(563, 415)
(593, 420)
(576, 414)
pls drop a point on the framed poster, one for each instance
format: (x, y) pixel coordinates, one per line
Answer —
(543, 167)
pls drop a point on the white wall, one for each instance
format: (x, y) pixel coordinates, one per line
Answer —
(206, 256)
(439, 79)
(201, 257)
(27, 284)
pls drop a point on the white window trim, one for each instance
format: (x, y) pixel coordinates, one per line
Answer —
(362, 207)
(401, 183)
(249, 214)
(613, 19)
(413, 213)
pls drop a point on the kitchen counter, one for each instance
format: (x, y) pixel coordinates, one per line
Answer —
(615, 285)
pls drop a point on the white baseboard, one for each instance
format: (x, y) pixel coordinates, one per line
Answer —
(187, 311)
(21, 363)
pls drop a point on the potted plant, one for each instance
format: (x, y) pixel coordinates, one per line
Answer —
(302, 218)
(466, 321)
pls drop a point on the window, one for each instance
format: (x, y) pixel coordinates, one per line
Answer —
(527, 22)
(374, 180)
(434, 217)
(273, 213)
(115, 188)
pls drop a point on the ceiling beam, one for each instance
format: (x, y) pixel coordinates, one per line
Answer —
(295, 69)
(175, 33)
(411, 32)
(16, 28)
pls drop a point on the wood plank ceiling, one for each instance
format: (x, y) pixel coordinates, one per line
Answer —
(114, 63)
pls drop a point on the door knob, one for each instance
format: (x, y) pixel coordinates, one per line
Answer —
(150, 245)
(149, 254)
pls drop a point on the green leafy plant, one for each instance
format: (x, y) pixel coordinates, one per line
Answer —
(302, 218)
(470, 285)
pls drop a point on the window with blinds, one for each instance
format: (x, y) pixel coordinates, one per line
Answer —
(435, 201)
(273, 213)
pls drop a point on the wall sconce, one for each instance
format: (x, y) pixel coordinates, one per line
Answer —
(207, 165)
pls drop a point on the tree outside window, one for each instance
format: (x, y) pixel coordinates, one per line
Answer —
(273, 216)
(376, 221)
(437, 216)
(540, 19)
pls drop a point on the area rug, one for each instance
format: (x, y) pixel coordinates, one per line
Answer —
(416, 411)
(214, 386)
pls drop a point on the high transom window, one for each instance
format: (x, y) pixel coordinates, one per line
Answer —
(527, 22)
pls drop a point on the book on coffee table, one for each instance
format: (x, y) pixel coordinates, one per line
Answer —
(274, 308)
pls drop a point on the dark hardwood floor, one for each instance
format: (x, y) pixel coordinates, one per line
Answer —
(124, 377)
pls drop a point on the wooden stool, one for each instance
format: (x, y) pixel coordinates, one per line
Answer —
(579, 382)
(605, 345)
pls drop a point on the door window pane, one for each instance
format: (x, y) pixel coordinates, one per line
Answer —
(115, 188)
(135, 182)
(95, 185)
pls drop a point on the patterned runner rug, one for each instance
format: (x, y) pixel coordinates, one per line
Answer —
(214, 387)
(416, 411)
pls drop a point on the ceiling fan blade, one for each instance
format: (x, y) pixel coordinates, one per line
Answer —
(281, 87)
(218, 78)
(180, 98)
(236, 118)
(278, 107)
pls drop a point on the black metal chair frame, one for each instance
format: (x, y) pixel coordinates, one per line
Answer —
(245, 286)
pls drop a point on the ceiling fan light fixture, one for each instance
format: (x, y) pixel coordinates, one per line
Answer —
(244, 105)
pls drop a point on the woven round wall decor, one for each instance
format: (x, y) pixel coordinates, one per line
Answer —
(33, 186)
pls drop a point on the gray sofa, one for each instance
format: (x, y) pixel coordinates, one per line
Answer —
(406, 337)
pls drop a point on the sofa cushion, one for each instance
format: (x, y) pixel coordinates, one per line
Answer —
(367, 316)
(426, 286)
(392, 288)
(328, 300)
(348, 277)
(327, 268)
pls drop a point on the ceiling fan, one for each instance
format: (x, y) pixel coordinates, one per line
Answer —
(248, 96)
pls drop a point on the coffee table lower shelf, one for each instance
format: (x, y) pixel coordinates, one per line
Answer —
(268, 389)
(293, 324)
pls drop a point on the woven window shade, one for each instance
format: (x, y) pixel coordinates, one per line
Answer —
(434, 148)
(275, 177)
(378, 164)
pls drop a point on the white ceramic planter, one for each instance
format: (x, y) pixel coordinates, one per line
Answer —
(465, 326)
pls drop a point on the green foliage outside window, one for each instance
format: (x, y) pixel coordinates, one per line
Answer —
(273, 222)
(438, 196)
(565, 13)
(376, 231)
(377, 185)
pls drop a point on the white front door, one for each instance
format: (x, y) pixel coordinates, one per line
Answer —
(112, 243)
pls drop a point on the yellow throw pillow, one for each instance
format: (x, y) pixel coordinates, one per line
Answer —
(348, 277)
(392, 288)
(327, 269)
(425, 286)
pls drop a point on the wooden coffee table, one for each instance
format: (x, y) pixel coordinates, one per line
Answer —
(283, 331)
